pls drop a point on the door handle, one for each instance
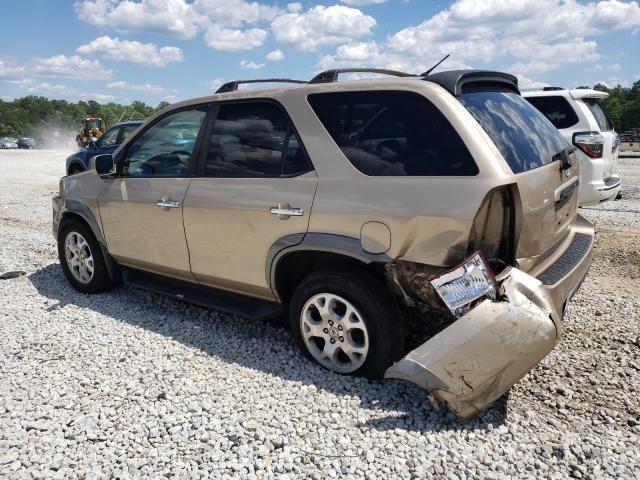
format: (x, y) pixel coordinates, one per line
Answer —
(284, 211)
(165, 204)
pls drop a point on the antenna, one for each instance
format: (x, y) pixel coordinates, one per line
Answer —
(434, 67)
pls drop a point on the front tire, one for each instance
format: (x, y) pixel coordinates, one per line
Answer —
(347, 322)
(81, 258)
(75, 169)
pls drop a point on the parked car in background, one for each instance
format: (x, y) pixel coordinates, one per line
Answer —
(629, 142)
(347, 205)
(583, 123)
(26, 143)
(6, 143)
(78, 161)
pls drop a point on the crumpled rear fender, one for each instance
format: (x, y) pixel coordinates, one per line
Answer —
(481, 355)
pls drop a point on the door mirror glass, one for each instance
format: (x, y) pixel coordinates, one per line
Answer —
(103, 164)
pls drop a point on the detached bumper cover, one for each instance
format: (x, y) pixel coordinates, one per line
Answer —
(475, 360)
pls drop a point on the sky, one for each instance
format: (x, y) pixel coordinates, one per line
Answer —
(168, 50)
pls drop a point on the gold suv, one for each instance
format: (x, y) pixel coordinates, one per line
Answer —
(346, 205)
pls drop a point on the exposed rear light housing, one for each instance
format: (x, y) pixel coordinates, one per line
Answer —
(494, 230)
(590, 143)
(468, 282)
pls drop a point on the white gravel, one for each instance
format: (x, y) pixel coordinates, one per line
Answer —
(132, 385)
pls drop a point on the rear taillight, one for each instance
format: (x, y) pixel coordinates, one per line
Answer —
(590, 143)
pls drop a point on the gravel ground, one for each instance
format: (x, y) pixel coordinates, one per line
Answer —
(132, 385)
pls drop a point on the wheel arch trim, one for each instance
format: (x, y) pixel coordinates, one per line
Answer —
(74, 207)
(316, 242)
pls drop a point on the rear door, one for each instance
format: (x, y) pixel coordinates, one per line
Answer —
(141, 209)
(544, 163)
(255, 186)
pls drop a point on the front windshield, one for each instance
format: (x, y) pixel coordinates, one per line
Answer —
(93, 123)
(524, 136)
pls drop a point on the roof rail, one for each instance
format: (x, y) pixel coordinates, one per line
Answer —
(330, 76)
(233, 85)
(552, 89)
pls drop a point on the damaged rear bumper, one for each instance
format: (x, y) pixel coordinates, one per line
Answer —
(476, 359)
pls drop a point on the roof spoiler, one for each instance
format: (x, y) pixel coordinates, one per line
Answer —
(457, 82)
(578, 93)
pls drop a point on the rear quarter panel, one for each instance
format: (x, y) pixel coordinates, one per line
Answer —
(429, 217)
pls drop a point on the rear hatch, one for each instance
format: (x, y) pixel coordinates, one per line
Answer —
(545, 166)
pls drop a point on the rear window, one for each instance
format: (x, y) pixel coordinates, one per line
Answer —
(393, 133)
(524, 136)
(557, 109)
(598, 112)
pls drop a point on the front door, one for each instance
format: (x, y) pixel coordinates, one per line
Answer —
(141, 209)
(254, 187)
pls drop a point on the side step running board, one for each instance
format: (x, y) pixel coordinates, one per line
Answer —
(248, 307)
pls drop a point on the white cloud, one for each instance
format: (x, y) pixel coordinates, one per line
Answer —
(8, 71)
(173, 17)
(295, 7)
(235, 12)
(275, 56)
(98, 97)
(234, 40)
(147, 54)
(322, 25)
(245, 65)
(219, 19)
(31, 86)
(372, 54)
(216, 83)
(526, 83)
(74, 66)
(146, 88)
(361, 3)
(536, 33)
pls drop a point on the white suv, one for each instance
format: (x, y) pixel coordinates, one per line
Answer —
(582, 121)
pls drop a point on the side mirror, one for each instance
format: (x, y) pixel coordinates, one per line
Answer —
(103, 164)
(92, 145)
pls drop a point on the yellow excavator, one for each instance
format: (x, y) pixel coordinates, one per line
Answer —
(92, 128)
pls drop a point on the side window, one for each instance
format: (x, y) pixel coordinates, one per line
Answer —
(253, 140)
(598, 112)
(109, 138)
(556, 109)
(393, 133)
(165, 149)
(126, 132)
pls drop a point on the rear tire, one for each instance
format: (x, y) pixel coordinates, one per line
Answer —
(81, 258)
(347, 322)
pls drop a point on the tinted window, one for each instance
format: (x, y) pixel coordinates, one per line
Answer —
(524, 136)
(127, 130)
(165, 149)
(386, 133)
(556, 109)
(598, 112)
(253, 140)
(109, 138)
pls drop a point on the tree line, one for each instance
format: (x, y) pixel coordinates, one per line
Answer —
(53, 120)
(623, 105)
